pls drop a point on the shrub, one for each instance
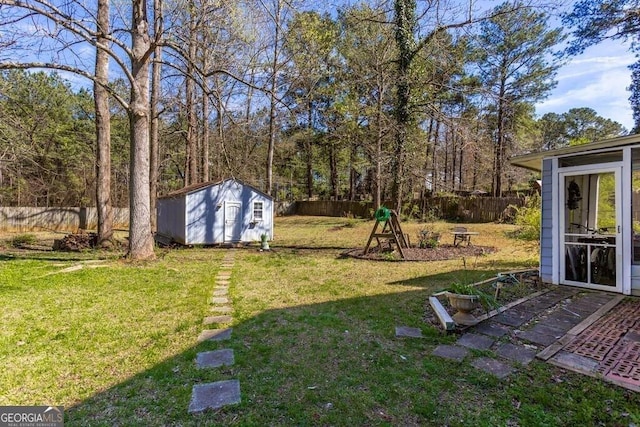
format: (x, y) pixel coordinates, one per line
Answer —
(428, 239)
(23, 239)
(529, 218)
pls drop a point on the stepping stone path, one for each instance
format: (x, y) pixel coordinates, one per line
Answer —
(221, 393)
(217, 319)
(214, 395)
(406, 331)
(214, 359)
(518, 334)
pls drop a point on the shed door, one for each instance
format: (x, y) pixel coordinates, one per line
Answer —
(232, 221)
(591, 237)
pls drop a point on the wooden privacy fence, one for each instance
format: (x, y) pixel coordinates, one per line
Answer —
(331, 208)
(466, 209)
(56, 219)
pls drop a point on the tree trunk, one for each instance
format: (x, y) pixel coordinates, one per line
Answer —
(446, 158)
(353, 173)
(434, 163)
(272, 100)
(454, 157)
(333, 169)
(499, 149)
(377, 201)
(429, 152)
(460, 163)
(140, 237)
(206, 108)
(192, 134)
(308, 147)
(404, 32)
(221, 155)
(155, 119)
(103, 128)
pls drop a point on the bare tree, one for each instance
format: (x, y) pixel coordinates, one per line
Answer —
(75, 26)
(277, 12)
(103, 127)
(156, 75)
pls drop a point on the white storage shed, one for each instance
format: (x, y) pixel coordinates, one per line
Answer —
(212, 213)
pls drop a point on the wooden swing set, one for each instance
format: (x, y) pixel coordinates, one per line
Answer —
(391, 231)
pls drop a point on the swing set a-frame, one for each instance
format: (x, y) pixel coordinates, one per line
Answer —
(391, 231)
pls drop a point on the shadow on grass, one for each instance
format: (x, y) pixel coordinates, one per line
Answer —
(291, 363)
(56, 256)
(339, 363)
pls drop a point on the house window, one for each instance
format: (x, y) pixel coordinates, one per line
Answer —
(258, 208)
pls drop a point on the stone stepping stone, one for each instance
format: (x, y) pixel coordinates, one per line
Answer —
(475, 341)
(406, 331)
(221, 309)
(541, 334)
(451, 352)
(219, 300)
(223, 282)
(511, 319)
(214, 395)
(562, 320)
(217, 319)
(223, 276)
(491, 329)
(220, 292)
(215, 334)
(575, 362)
(492, 366)
(215, 359)
(516, 353)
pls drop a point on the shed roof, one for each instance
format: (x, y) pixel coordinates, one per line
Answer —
(533, 161)
(199, 186)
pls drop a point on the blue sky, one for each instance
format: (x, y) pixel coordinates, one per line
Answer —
(596, 79)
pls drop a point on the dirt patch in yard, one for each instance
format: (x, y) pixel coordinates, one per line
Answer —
(439, 253)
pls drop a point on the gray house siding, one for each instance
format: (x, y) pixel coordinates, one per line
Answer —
(546, 234)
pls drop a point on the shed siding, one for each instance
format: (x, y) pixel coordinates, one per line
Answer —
(171, 218)
(546, 234)
(251, 229)
(205, 213)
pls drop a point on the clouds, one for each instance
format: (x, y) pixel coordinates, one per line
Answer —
(596, 79)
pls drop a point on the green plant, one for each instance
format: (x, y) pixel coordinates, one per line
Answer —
(428, 239)
(485, 299)
(529, 219)
(431, 215)
(389, 256)
(350, 223)
(410, 212)
(23, 239)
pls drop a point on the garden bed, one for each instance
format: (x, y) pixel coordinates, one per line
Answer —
(439, 253)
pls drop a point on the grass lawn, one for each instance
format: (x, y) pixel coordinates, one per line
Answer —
(313, 338)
